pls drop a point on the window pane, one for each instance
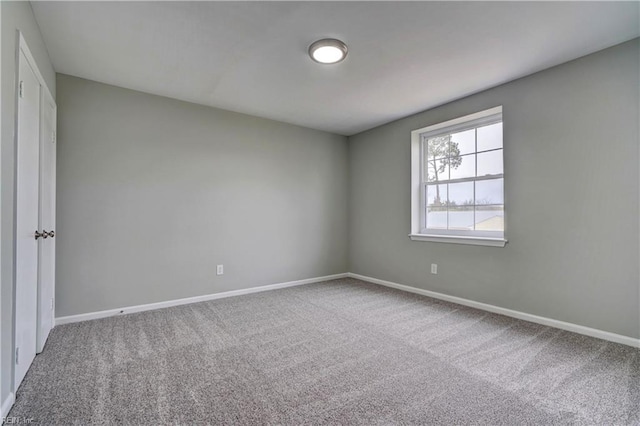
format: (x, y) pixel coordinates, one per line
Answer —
(462, 166)
(461, 194)
(438, 170)
(489, 218)
(463, 143)
(437, 147)
(436, 195)
(490, 191)
(437, 218)
(490, 137)
(461, 218)
(490, 163)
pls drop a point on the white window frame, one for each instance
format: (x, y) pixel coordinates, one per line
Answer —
(418, 220)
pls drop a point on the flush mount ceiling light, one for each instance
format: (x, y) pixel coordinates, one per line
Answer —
(328, 51)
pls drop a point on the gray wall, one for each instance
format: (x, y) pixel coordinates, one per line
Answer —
(572, 187)
(154, 192)
(15, 16)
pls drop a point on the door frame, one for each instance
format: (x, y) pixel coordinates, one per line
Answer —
(21, 45)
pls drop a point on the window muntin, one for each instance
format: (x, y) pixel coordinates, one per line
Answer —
(462, 177)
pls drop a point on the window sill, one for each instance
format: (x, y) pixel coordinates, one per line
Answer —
(452, 239)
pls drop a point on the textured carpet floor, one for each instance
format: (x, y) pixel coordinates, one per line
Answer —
(341, 352)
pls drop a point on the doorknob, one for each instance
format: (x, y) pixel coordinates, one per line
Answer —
(44, 234)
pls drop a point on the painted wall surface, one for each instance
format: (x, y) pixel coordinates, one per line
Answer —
(15, 16)
(571, 143)
(153, 193)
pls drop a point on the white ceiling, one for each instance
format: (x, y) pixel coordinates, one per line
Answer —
(251, 57)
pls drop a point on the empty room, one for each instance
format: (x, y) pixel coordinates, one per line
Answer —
(320, 213)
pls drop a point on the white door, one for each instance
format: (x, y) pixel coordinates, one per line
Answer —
(27, 183)
(47, 253)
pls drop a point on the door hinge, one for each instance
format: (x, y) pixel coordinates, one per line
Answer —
(52, 304)
(21, 89)
(53, 137)
(17, 355)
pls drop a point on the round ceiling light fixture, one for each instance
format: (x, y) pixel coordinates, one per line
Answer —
(328, 51)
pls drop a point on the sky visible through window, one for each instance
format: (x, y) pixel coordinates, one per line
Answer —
(465, 188)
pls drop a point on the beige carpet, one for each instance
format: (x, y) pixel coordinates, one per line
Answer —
(341, 352)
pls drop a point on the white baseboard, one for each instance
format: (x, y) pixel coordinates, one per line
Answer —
(6, 405)
(187, 300)
(605, 335)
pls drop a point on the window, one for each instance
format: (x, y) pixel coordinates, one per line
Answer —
(458, 181)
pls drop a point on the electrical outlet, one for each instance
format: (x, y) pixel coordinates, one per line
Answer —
(220, 270)
(434, 268)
